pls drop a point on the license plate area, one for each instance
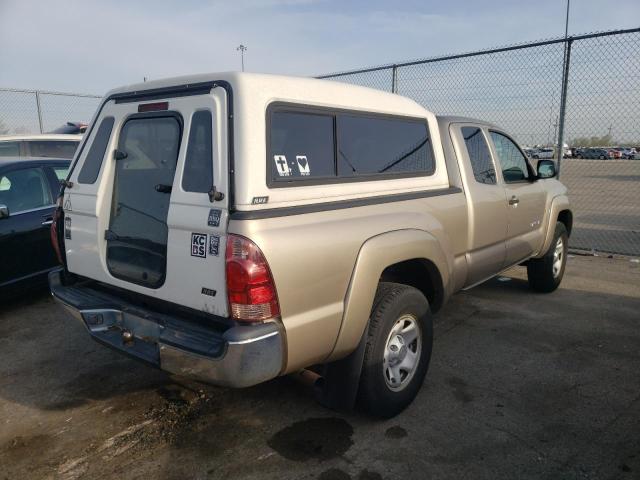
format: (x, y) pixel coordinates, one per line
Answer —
(128, 333)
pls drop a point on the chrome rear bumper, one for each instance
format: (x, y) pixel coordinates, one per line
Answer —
(239, 356)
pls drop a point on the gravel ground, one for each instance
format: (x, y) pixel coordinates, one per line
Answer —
(521, 385)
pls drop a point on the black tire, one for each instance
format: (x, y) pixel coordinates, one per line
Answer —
(540, 271)
(392, 302)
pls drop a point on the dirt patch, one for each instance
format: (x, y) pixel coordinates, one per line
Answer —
(395, 432)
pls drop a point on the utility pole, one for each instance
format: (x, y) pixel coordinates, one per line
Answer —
(563, 95)
(241, 48)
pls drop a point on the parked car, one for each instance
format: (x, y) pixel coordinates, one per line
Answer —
(28, 189)
(71, 128)
(543, 153)
(614, 153)
(309, 223)
(578, 152)
(626, 152)
(595, 153)
(43, 145)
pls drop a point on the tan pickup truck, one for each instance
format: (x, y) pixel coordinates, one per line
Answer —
(237, 227)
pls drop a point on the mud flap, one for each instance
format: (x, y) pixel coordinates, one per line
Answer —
(338, 389)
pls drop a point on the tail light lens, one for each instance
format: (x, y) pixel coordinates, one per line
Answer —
(250, 286)
(54, 231)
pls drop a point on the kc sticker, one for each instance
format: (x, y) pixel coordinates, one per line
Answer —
(214, 245)
(199, 245)
(282, 165)
(214, 217)
(303, 165)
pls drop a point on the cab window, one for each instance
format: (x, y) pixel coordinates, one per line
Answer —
(512, 161)
(479, 155)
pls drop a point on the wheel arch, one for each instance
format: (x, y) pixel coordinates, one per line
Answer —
(560, 211)
(387, 257)
(566, 217)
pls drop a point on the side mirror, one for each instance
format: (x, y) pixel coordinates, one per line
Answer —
(4, 211)
(546, 169)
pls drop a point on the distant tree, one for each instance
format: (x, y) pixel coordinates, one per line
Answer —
(595, 141)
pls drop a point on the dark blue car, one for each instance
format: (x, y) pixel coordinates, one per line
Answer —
(28, 191)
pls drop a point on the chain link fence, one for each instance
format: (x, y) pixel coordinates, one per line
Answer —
(36, 111)
(582, 91)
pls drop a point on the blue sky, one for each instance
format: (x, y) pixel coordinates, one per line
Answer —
(89, 46)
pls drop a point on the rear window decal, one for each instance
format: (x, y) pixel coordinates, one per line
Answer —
(214, 245)
(199, 245)
(282, 165)
(214, 217)
(303, 165)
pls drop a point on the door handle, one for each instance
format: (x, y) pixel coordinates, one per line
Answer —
(514, 200)
(48, 221)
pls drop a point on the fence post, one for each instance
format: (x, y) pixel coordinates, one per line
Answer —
(394, 79)
(563, 102)
(39, 110)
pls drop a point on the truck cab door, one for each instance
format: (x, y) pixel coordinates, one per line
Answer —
(525, 199)
(486, 203)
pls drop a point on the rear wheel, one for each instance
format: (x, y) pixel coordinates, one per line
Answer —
(398, 350)
(545, 274)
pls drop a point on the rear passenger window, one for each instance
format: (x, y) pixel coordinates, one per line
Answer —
(512, 161)
(479, 155)
(52, 148)
(301, 146)
(93, 161)
(198, 165)
(9, 149)
(25, 189)
(371, 146)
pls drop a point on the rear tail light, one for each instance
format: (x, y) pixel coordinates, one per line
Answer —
(54, 230)
(250, 286)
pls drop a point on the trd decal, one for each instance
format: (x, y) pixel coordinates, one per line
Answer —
(208, 291)
(199, 245)
(259, 200)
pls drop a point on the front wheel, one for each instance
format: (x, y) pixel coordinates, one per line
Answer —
(398, 350)
(545, 274)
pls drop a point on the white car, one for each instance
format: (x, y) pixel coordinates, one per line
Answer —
(543, 153)
(41, 145)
